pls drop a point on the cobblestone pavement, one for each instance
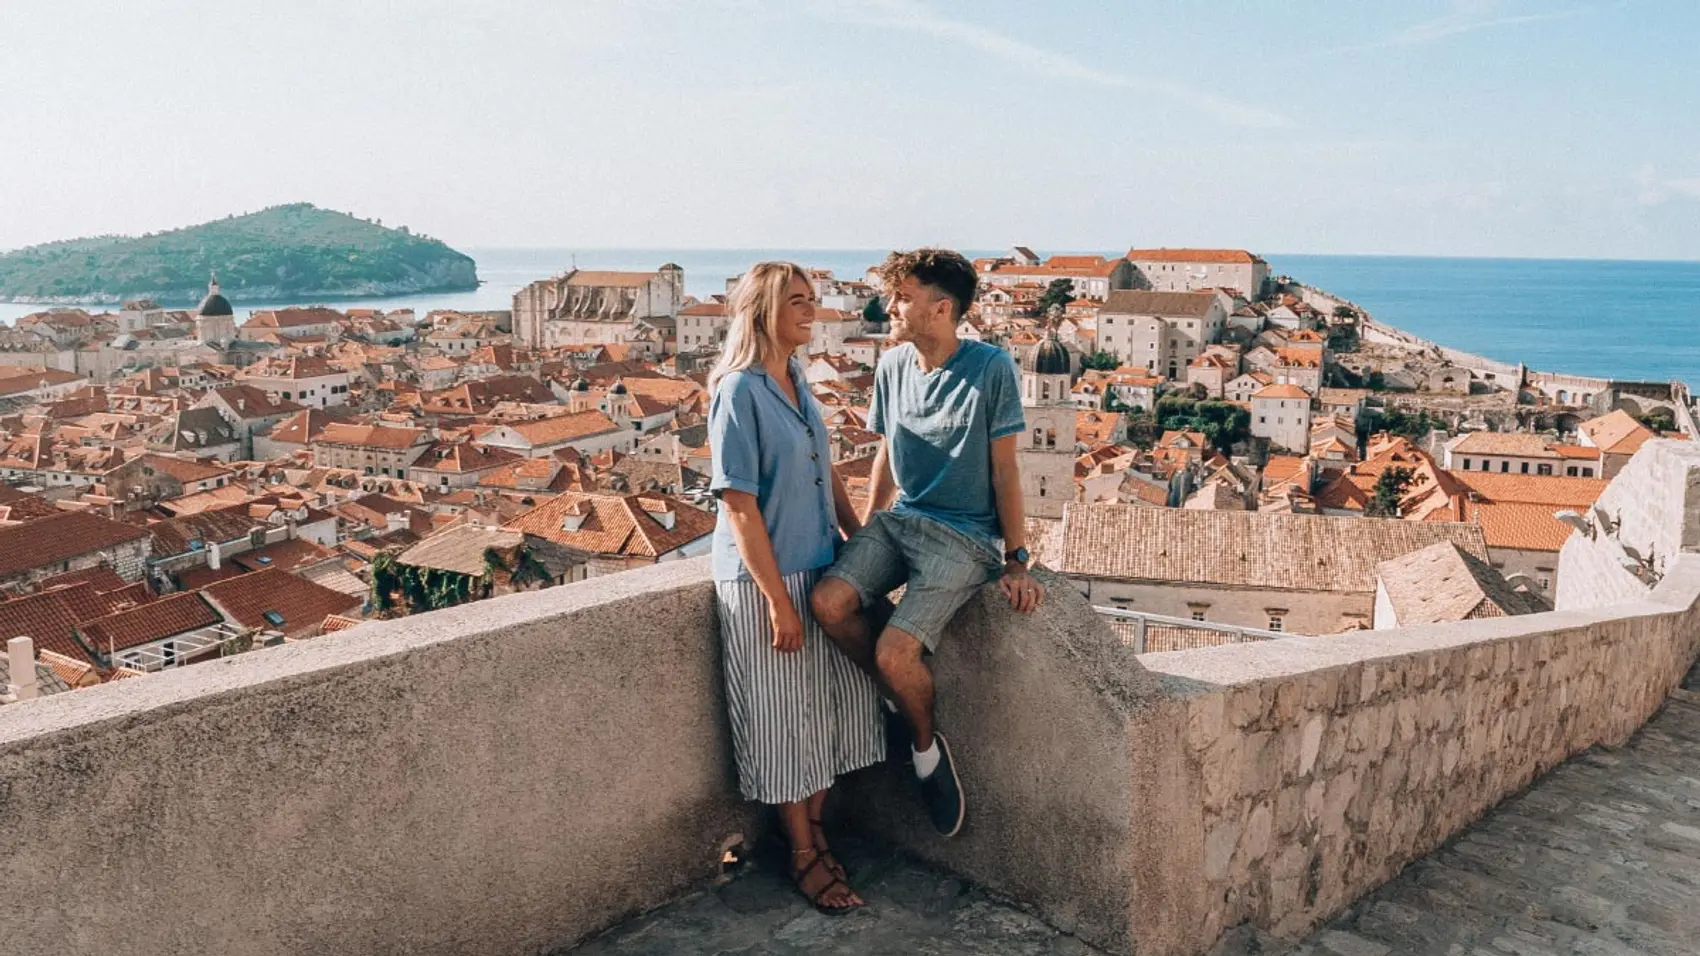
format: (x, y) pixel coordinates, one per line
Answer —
(1600, 858)
(911, 910)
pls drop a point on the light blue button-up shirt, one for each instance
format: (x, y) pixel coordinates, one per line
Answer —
(765, 446)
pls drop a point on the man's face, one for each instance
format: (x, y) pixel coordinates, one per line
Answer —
(916, 310)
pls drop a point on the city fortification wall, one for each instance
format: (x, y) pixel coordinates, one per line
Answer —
(509, 777)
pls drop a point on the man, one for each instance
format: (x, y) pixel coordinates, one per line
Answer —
(950, 411)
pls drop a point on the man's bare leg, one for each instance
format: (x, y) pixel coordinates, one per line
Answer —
(839, 612)
(907, 680)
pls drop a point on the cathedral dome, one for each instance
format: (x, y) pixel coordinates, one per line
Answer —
(214, 304)
(618, 389)
(1049, 358)
(580, 385)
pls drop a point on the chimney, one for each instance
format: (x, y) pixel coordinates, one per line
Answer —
(20, 652)
(212, 555)
(396, 521)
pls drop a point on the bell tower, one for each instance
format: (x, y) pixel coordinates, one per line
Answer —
(1046, 452)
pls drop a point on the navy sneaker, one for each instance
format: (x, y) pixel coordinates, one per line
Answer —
(942, 793)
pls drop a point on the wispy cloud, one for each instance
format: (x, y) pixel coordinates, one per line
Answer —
(916, 17)
(1466, 16)
(1653, 189)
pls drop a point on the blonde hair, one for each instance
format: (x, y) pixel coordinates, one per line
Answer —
(754, 303)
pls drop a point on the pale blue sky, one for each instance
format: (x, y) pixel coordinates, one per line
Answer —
(1514, 128)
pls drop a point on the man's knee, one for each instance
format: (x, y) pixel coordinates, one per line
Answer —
(833, 601)
(897, 652)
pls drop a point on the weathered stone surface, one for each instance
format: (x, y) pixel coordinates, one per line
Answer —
(1600, 858)
(912, 908)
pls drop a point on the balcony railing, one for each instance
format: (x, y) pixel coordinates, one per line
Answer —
(1150, 633)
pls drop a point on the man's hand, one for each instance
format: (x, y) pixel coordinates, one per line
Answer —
(787, 627)
(1023, 590)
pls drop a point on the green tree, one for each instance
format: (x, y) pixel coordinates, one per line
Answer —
(1058, 294)
(874, 312)
(1396, 422)
(1101, 361)
(1389, 488)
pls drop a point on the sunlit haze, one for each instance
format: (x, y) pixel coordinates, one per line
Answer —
(1467, 128)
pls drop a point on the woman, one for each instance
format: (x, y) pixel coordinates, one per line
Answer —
(801, 712)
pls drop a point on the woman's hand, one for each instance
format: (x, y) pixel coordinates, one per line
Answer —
(787, 627)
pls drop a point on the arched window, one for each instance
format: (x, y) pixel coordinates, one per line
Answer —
(1045, 391)
(1050, 438)
(1038, 437)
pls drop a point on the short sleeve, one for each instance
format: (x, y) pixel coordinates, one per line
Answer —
(732, 438)
(1004, 391)
(876, 405)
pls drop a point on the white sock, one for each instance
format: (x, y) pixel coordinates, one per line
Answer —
(926, 761)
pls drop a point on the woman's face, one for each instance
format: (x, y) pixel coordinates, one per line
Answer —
(795, 322)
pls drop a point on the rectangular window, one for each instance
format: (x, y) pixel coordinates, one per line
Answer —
(1504, 467)
(1277, 622)
(1466, 464)
(1546, 582)
(1543, 469)
(1198, 615)
(1525, 468)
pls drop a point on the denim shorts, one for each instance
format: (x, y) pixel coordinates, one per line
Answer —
(940, 566)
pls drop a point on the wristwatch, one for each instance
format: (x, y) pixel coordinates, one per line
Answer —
(1018, 554)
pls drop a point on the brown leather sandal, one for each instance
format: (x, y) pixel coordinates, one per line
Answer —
(799, 877)
(832, 865)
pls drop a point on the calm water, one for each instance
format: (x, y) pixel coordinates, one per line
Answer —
(1636, 320)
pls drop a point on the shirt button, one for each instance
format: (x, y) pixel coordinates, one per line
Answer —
(814, 456)
(819, 481)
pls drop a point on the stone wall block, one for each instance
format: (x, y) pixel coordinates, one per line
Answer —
(1205, 721)
(1321, 689)
(1247, 706)
(1260, 763)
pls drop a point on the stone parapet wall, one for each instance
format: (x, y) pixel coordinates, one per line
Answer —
(497, 779)
(1327, 765)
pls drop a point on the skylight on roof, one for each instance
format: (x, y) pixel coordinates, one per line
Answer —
(274, 618)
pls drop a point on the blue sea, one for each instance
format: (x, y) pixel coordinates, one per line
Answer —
(1611, 318)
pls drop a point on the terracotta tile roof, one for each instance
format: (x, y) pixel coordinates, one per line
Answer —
(73, 671)
(338, 622)
(221, 524)
(286, 555)
(48, 541)
(1514, 525)
(1244, 549)
(1192, 255)
(300, 603)
(369, 436)
(1280, 391)
(1280, 468)
(617, 525)
(463, 457)
(1141, 302)
(1575, 493)
(21, 506)
(1519, 444)
(47, 618)
(563, 428)
(1299, 357)
(251, 402)
(1443, 583)
(306, 425)
(1617, 433)
(186, 470)
(1056, 267)
(173, 614)
(102, 577)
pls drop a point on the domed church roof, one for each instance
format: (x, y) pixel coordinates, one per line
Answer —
(1049, 358)
(215, 304)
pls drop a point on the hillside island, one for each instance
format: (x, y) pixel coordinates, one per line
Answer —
(295, 251)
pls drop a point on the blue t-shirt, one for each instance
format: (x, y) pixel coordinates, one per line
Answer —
(766, 446)
(939, 427)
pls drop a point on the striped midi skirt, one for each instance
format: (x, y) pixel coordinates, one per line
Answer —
(799, 719)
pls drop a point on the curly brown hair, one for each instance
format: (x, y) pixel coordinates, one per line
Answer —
(945, 270)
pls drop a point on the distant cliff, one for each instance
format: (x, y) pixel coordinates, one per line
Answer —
(292, 252)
